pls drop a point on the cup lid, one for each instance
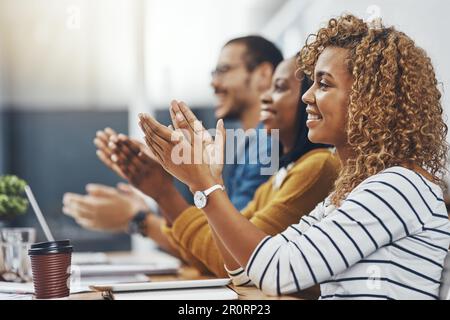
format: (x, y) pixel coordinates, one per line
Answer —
(50, 247)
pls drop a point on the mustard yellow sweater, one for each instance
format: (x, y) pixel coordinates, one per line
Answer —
(272, 209)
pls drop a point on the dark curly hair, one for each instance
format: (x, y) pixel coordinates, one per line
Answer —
(394, 112)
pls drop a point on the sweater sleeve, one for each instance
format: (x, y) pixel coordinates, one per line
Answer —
(307, 183)
(185, 255)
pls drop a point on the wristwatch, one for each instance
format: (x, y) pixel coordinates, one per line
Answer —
(138, 223)
(201, 197)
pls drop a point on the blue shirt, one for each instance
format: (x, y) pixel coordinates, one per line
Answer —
(244, 176)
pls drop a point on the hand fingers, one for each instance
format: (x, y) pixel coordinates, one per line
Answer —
(125, 188)
(219, 142)
(87, 223)
(110, 132)
(77, 205)
(158, 145)
(196, 124)
(101, 190)
(123, 140)
(187, 114)
(140, 162)
(147, 155)
(102, 136)
(103, 150)
(128, 149)
(137, 143)
(76, 212)
(158, 129)
(101, 144)
(122, 165)
(104, 158)
(180, 123)
(123, 157)
(109, 163)
(132, 172)
(151, 138)
(119, 152)
(135, 176)
(153, 150)
(70, 197)
(102, 139)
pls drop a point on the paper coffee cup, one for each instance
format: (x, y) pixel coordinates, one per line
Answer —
(50, 266)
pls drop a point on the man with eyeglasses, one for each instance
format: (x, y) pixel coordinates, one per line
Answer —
(244, 71)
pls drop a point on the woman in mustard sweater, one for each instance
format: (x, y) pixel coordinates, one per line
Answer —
(306, 175)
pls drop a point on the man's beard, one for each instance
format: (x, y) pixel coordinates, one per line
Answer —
(236, 110)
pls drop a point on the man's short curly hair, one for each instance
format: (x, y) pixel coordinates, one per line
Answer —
(394, 115)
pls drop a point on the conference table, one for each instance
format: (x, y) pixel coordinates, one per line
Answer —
(190, 273)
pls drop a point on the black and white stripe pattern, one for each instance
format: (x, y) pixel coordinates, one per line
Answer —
(387, 240)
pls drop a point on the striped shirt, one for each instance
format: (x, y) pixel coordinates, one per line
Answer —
(387, 240)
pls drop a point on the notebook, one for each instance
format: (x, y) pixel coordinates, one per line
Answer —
(97, 270)
(161, 285)
(215, 293)
(211, 289)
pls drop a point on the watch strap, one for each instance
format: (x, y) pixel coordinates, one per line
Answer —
(138, 223)
(215, 187)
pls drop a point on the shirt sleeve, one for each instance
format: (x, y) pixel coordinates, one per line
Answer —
(247, 177)
(245, 185)
(239, 277)
(375, 214)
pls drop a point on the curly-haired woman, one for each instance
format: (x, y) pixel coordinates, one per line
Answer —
(383, 233)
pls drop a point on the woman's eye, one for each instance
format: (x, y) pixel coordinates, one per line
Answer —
(323, 85)
(279, 88)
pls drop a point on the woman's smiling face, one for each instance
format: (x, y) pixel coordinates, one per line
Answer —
(328, 98)
(279, 104)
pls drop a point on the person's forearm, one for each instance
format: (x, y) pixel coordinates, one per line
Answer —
(172, 204)
(239, 236)
(153, 231)
(228, 259)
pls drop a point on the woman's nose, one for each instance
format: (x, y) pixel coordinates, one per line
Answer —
(266, 98)
(308, 97)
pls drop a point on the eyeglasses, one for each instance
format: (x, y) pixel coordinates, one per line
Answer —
(223, 69)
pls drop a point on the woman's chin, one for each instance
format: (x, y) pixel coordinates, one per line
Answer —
(268, 125)
(315, 138)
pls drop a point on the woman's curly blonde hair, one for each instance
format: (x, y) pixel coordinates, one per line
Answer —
(394, 112)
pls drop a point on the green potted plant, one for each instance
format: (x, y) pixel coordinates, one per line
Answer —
(13, 202)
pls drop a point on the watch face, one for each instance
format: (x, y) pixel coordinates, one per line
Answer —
(199, 199)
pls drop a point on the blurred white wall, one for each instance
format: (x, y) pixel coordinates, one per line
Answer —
(82, 54)
(424, 21)
(184, 39)
(66, 53)
(57, 54)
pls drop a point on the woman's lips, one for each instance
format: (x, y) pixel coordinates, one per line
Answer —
(267, 114)
(314, 117)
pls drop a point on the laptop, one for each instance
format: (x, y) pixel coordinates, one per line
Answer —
(99, 264)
